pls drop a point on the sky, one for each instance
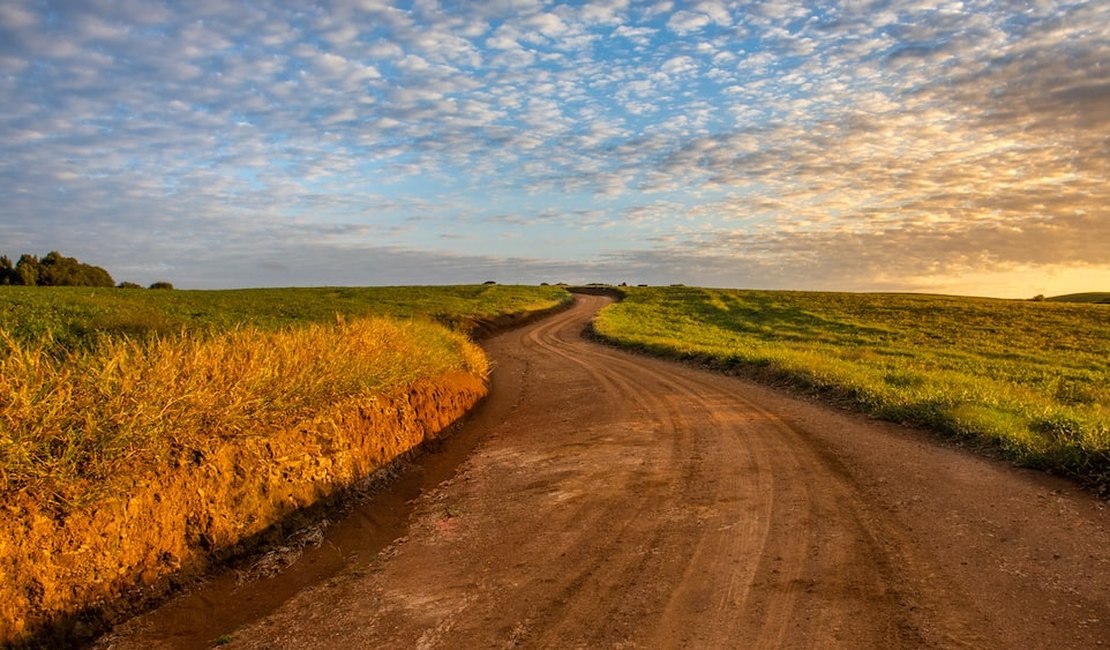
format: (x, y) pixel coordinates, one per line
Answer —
(902, 145)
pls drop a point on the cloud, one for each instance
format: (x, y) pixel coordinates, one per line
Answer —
(15, 16)
(683, 22)
(849, 144)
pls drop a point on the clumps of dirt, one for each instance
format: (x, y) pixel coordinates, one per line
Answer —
(279, 558)
(62, 578)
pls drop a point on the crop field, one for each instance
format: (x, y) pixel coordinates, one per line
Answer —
(1031, 379)
(95, 382)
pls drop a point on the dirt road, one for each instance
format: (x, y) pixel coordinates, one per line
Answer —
(619, 501)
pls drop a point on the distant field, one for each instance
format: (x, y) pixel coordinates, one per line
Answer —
(70, 315)
(1098, 297)
(97, 383)
(1030, 378)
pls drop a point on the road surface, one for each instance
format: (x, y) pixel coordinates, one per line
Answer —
(618, 501)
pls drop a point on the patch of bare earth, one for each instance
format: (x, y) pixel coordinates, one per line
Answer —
(621, 501)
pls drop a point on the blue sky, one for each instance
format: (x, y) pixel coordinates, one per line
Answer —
(959, 147)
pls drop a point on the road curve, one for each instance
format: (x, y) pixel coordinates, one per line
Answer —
(621, 501)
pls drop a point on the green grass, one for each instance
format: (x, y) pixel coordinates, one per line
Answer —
(1101, 297)
(74, 316)
(1029, 378)
(97, 384)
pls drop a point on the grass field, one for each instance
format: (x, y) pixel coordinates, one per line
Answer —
(97, 382)
(1095, 297)
(74, 316)
(1029, 378)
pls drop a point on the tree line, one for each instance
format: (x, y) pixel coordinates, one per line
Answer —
(57, 270)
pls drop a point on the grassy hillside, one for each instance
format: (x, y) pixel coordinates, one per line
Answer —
(1101, 297)
(1032, 378)
(95, 383)
(72, 316)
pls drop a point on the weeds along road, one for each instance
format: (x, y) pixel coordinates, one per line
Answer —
(621, 501)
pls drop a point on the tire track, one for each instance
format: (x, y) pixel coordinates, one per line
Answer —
(783, 559)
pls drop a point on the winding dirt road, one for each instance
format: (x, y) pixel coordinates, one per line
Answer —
(615, 500)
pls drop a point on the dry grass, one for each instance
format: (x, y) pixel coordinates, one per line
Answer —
(72, 425)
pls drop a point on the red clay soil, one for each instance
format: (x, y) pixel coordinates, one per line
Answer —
(621, 501)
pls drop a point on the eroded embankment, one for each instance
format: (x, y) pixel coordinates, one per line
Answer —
(61, 578)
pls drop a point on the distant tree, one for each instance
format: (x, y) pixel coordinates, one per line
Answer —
(53, 270)
(161, 285)
(95, 276)
(489, 282)
(7, 271)
(1038, 298)
(129, 285)
(27, 268)
(57, 270)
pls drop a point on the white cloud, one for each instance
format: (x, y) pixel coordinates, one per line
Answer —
(504, 38)
(640, 35)
(899, 137)
(715, 9)
(17, 16)
(604, 12)
(684, 22)
(545, 23)
(330, 63)
(658, 8)
(679, 65)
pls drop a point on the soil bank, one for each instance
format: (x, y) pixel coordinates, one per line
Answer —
(61, 578)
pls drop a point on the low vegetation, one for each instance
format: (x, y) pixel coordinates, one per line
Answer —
(1100, 297)
(71, 317)
(1031, 379)
(96, 382)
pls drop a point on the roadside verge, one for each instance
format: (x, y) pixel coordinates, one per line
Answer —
(66, 575)
(64, 578)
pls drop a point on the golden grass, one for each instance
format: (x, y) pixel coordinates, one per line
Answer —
(75, 425)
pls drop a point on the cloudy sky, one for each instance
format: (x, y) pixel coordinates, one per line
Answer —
(959, 147)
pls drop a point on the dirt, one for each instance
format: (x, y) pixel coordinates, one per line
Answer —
(614, 500)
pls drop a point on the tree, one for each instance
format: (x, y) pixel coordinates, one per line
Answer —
(7, 271)
(27, 268)
(129, 285)
(53, 270)
(57, 270)
(161, 285)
